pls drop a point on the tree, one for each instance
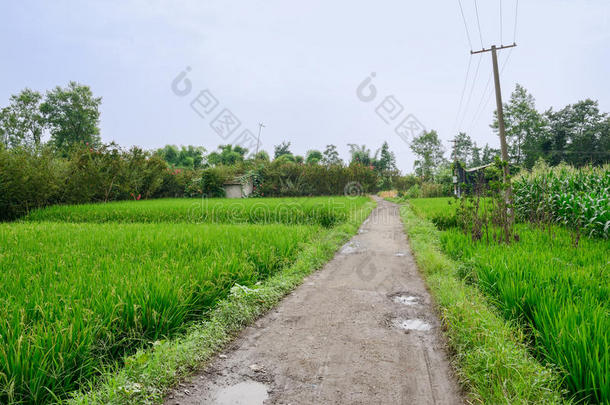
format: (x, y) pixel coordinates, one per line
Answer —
(261, 155)
(331, 156)
(475, 156)
(187, 156)
(21, 123)
(489, 154)
(313, 157)
(577, 134)
(72, 114)
(228, 155)
(387, 159)
(362, 154)
(524, 127)
(463, 149)
(429, 151)
(282, 149)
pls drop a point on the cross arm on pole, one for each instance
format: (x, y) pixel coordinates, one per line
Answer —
(497, 48)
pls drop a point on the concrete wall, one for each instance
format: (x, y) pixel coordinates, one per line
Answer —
(233, 190)
(237, 190)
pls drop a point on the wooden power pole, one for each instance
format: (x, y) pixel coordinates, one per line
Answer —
(501, 129)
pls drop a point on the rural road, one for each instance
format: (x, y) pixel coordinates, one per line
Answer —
(362, 330)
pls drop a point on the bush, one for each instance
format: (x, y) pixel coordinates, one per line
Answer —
(430, 190)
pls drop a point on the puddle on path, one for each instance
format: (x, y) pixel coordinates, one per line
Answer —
(400, 254)
(412, 324)
(243, 393)
(350, 248)
(406, 299)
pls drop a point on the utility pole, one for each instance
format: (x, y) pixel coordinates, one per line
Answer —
(500, 113)
(456, 186)
(494, 59)
(258, 140)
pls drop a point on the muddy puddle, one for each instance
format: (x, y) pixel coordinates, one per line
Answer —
(412, 324)
(243, 393)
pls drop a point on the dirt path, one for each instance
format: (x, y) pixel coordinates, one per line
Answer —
(360, 331)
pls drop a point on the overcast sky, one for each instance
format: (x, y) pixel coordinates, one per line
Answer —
(296, 66)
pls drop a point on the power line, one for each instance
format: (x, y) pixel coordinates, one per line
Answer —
(474, 81)
(463, 92)
(465, 25)
(477, 116)
(476, 7)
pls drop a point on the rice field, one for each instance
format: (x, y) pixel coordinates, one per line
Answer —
(325, 211)
(558, 293)
(81, 290)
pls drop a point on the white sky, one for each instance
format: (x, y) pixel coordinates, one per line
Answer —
(296, 65)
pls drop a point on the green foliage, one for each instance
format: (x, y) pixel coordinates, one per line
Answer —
(429, 151)
(282, 149)
(576, 198)
(360, 154)
(34, 178)
(229, 155)
(331, 156)
(313, 157)
(21, 123)
(72, 115)
(191, 157)
(209, 184)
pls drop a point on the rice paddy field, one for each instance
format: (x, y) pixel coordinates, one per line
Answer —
(558, 293)
(82, 286)
(289, 211)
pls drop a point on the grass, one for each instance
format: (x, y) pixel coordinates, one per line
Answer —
(491, 359)
(325, 211)
(558, 294)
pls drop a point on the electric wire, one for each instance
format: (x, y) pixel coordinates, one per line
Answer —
(474, 81)
(476, 7)
(465, 25)
(463, 92)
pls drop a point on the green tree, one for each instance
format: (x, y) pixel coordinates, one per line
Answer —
(488, 155)
(313, 157)
(331, 156)
(72, 114)
(281, 149)
(21, 123)
(228, 155)
(361, 154)
(429, 151)
(387, 160)
(463, 149)
(524, 127)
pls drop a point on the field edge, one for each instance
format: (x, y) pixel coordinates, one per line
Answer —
(488, 354)
(149, 374)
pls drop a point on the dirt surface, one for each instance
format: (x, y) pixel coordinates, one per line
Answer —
(360, 331)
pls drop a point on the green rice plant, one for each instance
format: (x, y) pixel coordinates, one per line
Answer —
(577, 198)
(75, 298)
(325, 211)
(559, 294)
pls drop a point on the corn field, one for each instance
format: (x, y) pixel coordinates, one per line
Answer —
(576, 198)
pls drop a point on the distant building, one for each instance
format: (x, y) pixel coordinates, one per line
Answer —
(237, 189)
